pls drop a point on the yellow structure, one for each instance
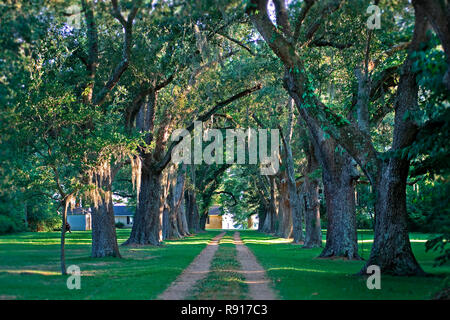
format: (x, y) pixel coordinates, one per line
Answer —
(214, 220)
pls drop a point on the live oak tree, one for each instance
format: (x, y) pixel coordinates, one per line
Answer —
(51, 119)
(391, 249)
(88, 111)
(338, 168)
(94, 94)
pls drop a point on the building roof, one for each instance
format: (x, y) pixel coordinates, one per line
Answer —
(122, 210)
(214, 211)
(119, 210)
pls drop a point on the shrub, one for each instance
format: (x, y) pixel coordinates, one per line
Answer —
(363, 220)
(120, 225)
(7, 225)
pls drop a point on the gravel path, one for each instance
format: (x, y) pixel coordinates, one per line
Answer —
(254, 273)
(196, 271)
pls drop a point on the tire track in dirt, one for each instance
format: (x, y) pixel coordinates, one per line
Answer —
(254, 273)
(196, 271)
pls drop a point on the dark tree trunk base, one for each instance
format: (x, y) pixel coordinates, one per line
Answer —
(104, 238)
(339, 189)
(330, 254)
(311, 246)
(148, 218)
(391, 250)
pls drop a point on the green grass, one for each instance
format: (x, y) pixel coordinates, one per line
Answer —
(223, 282)
(296, 273)
(29, 266)
(29, 269)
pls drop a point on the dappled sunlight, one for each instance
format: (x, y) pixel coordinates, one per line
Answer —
(256, 281)
(28, 271)
(268, 241)
(411, 240)
(233, 279)
(48, 243)
(186, 242)
(29, 264)
(298, 269)
(227, 241)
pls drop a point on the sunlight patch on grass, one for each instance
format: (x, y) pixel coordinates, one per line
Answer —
(177, 242)
(28, 271)
(298, 274)
(411, 240)
(269, 241)
(299, 269)
(29, 266)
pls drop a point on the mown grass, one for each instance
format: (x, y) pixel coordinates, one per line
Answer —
(29, 269)
(223, 282)
(29, 266)
(296, 273)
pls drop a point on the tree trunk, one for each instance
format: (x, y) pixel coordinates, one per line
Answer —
(191, 205)
(104, 238)
(391, 249)
(63, 236)
(339, 172)
(266, 228)
(265, 205)
(339, 189)
(296, 213)
(187, 202)
(192, 211)
(262, 219)
(147, 226)
(202, 221)
(171, 207)
(183, 227)
(165, 223)
(148, 218)
(294, 200)
(166, 203)
(278, 217)
(269, 221)
(284, 210)
(175, 198)
(310, 201)
(311, 205)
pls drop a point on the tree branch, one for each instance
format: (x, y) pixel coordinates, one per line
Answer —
(168, 156)
(227, 193)
(257, 11)
(239, 43)
(127, 43)
(282, 18)
(332, 6)
(326, 43)
(301, 17)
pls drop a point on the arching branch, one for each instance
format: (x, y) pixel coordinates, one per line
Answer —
(227, 193)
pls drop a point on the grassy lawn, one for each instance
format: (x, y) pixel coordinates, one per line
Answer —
(223, 282)
(29, 269)
(29, 266)
(297, 274)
